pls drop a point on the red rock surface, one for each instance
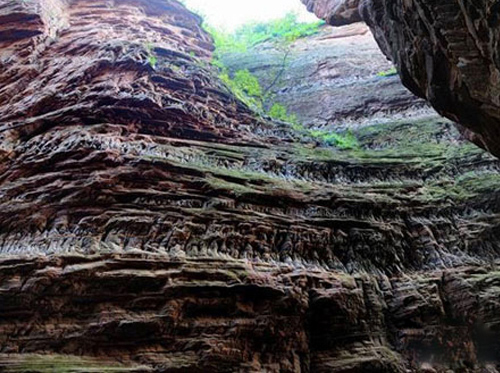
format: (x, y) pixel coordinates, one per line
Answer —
(149, 221)
(217, 315)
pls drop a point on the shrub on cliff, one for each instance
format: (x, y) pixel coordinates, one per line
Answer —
(245, 87)
(280, 112)
(287, 28)
(341, 141)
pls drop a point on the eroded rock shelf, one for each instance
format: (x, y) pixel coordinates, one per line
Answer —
(151, 222)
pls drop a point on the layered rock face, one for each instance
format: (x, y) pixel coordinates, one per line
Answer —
(150, 222)
(332, 78)
(446, 51)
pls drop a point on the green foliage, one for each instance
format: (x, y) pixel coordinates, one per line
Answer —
(392, 71)
(243, 84)
(279, 112)
(341, 141)
(248, 83)
(224, 42)
(152, 60)
(284, 30)
(245, 87)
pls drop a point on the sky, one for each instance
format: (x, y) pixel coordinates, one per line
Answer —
(229, 14)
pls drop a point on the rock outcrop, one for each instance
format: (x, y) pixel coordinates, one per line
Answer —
(335, 12)
(446, 51)
(151, 222)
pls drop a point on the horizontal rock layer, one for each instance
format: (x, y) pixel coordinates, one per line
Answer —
(155, 314)
(149, 221)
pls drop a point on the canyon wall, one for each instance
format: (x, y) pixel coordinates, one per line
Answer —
(151, 222)
(445, 51)
(335, 12)
(333, 78)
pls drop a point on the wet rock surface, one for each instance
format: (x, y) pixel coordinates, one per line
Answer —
(149, 221)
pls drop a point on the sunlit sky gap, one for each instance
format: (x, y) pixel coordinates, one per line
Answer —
(229, 14)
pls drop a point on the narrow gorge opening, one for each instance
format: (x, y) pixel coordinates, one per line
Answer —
(323, 81)
(268, 197)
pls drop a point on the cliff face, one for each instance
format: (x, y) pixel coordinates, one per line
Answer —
(149, 221)
(336, 78)
(160, 314)
(445, 51)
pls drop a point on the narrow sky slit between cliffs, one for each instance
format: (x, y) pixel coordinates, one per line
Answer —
(230, 14)
(285, 63)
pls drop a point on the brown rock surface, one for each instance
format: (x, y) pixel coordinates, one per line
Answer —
(335, 12)
(154, 313)
(446, 51)
(149, 221)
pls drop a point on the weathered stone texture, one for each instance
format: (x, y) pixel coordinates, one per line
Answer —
(149, 221)
(446, 51)
(335, 12)
(158, 314)
(330, 78)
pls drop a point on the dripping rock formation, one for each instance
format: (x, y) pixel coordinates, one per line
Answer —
(446, 51)
(151, 222)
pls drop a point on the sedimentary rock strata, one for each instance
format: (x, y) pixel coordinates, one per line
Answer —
(149, 221)
(446, 52)
(159, 314)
